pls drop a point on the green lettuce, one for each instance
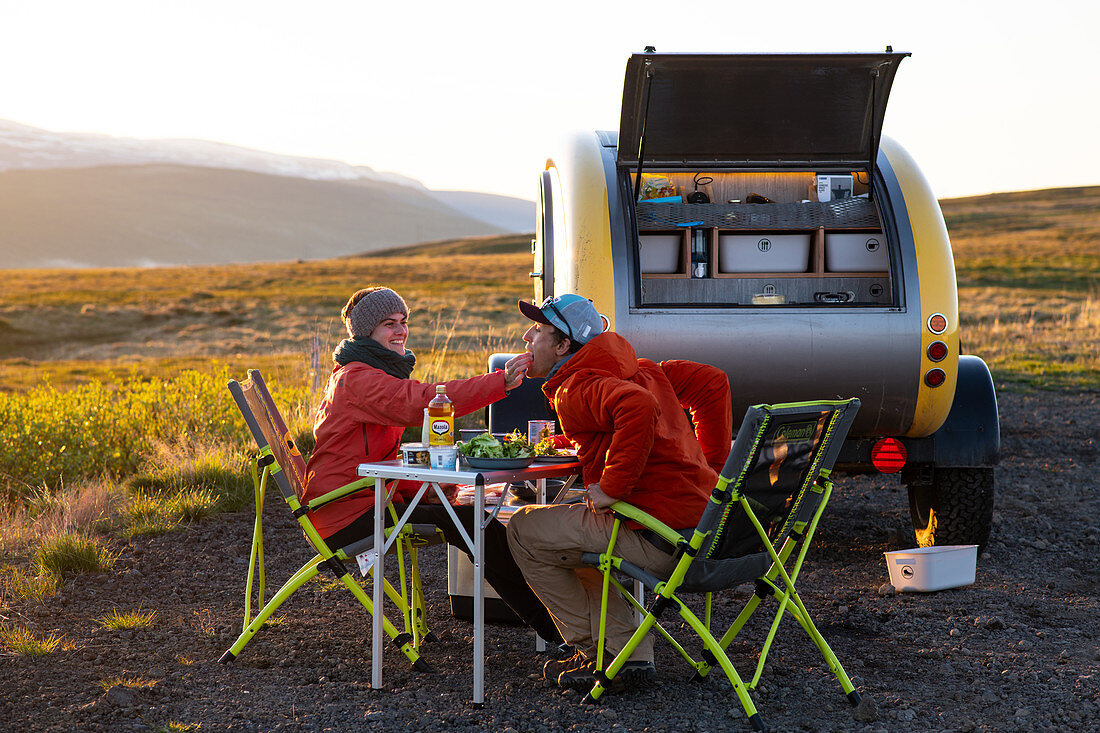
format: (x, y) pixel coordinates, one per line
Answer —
(485, 445)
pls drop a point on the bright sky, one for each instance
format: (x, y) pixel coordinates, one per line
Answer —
(997, 96)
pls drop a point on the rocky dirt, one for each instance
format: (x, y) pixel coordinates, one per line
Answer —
(1017, 650)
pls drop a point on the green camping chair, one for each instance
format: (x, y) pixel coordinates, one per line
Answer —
(280, 459)
(757, 526)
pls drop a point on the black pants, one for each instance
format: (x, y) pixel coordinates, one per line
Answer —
(501, 570)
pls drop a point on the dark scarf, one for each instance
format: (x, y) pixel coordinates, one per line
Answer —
(372, 353)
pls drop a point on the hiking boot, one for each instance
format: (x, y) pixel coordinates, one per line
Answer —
(579, 678)
(559, 651)
(555, 667)
(633, 674)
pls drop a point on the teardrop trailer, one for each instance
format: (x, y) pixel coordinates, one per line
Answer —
(815, 264)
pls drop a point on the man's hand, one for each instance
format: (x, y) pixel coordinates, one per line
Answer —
(515, 369)
(598, 501)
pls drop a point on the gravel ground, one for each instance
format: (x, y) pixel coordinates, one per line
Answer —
(1017, 650)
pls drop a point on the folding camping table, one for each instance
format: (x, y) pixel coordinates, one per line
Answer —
(387, 472)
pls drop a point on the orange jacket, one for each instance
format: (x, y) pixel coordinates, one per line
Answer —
(361, 419)
(626, 416)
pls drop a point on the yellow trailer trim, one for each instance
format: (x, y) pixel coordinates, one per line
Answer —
(938, 294)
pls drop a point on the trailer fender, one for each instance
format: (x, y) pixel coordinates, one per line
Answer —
(971, 435)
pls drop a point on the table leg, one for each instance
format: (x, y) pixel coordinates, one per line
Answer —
(479, 593)
(379, 582)
(540, 493)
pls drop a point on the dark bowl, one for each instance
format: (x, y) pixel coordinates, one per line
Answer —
(498, 464)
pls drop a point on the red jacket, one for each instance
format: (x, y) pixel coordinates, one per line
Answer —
(361, 419)
(626, 416)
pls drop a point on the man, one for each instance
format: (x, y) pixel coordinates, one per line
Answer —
(634, 442)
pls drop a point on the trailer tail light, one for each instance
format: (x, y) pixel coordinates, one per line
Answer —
(937, 351)
(937, 323)
(934, 377)
(888, 455)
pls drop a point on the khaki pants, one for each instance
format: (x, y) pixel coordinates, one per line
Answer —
(547, 542)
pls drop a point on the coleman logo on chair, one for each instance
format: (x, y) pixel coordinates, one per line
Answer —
(800, 433)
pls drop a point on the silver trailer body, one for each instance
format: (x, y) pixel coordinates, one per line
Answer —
(779, 159)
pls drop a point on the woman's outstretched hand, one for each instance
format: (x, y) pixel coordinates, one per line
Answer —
(515, 369)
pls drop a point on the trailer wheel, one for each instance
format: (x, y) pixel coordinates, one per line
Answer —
(955, 509)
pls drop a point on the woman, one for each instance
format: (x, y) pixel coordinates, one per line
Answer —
(369, 400)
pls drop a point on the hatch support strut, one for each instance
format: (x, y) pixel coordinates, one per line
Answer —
(641, 136)
(873, 147)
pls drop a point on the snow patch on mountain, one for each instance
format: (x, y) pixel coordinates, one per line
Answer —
(25, 147)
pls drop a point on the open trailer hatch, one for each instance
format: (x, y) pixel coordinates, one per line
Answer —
(755, 110)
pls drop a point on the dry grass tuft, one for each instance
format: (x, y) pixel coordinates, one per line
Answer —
(24, 642)
(118, 620)
(15, 530)
(80, 507)
(204, 621)
(19, 583)
(131, 683)
(72, 552)
(174, 726)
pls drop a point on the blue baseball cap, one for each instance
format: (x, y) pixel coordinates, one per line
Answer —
(571, 314)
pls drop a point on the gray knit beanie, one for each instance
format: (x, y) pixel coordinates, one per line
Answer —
(371, 310)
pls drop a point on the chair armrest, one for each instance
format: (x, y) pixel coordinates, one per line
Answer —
(340, 493)
(633, 513)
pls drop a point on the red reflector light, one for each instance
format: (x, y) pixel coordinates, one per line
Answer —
(934, 377)
(888, 455)
(937, 350)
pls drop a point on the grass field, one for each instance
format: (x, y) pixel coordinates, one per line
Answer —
(114, 419)
(1028, 267)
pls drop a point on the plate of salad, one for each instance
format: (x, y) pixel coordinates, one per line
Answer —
(486, 451)
(547, 451)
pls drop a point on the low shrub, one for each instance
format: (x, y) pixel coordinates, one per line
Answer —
(50, 437)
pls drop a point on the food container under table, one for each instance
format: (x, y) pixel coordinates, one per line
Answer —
(932, 568)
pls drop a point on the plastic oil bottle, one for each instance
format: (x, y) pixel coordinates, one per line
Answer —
(441, 418)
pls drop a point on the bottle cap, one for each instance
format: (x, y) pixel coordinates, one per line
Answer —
(440, 389)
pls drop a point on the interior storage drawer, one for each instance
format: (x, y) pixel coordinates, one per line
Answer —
(764, 252)
(663, 253)
(856, 252)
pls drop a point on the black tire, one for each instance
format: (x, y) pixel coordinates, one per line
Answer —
(955, 509)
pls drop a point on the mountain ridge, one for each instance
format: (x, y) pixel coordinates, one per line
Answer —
(162, 215)
(89, 200)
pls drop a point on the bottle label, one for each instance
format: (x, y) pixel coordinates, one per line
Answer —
(442, 432)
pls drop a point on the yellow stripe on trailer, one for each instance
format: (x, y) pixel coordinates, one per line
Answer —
(587, 226)
(936, 275)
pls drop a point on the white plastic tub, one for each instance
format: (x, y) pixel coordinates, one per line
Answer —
(932, 568)
(763, 253)
(444, 457)
(661, 253)
(856, 252)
